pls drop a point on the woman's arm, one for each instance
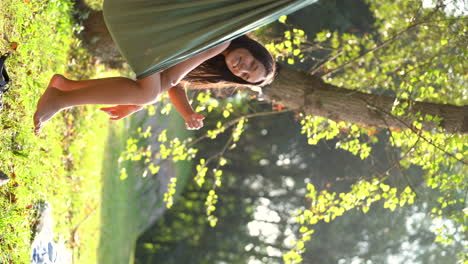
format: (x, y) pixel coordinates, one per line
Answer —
(180, 101)
(172, 76)
(170, 79)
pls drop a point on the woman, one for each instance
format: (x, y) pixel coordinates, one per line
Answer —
(232, 62)
(163, 41)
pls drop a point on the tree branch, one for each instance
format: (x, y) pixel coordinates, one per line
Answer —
(382, 45)
(415, 131)
(235, 121)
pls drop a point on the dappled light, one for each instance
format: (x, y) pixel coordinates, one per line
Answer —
(133, 135)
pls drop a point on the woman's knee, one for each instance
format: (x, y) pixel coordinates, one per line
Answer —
(150, 88)
(149, 94)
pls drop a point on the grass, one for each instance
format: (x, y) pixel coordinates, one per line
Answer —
(63, 165)
(123, 203)
(118, 215)
(95, 214)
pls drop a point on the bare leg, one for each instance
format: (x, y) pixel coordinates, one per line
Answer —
(113, 91)
(64, 84)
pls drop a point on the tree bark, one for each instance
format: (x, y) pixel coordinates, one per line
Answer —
(311, 95)
(301, 92)
(97, 39)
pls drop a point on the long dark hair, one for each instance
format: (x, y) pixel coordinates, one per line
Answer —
(215, 70)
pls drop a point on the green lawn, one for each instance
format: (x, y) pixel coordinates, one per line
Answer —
(118, 213)
(74, 163)
(63, 165)
(125, 201)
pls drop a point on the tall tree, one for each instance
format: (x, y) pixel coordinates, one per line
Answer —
(263, 183)
(310, 94)
(407, 75)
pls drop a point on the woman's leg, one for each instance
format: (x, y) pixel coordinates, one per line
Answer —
(64, 84)
(113, 91)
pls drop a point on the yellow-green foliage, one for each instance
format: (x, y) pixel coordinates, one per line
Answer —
(289, 50)
(417, 54)
(326, 206)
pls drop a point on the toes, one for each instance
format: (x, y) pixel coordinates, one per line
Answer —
(38, 124)
(36, 120)
(37, 129)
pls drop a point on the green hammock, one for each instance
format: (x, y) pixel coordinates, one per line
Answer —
(154, 35)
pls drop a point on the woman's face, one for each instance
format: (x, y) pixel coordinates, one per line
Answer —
(242, 64)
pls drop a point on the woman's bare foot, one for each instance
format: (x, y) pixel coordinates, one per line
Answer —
(47, 107)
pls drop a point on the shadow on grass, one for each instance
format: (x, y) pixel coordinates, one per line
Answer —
(118, 230)
(131, 205)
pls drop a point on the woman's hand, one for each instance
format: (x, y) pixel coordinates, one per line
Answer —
(194, 121)
(120, 111)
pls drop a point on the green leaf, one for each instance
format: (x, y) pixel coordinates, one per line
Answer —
(402, 202)
(123, 174)
(299, 32)
(384, 187)
(408, 190)
(213, 222)
(300, 245)
(222, 161)
(282, 19)
(153, 169)
(365, 209)
(323, 36)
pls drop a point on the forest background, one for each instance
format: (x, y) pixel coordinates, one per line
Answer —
(375, 179)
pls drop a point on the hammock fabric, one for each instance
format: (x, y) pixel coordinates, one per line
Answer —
(154, 35)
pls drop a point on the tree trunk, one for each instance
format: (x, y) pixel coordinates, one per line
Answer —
(97, 38)
(299, 91)
(308, 94)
